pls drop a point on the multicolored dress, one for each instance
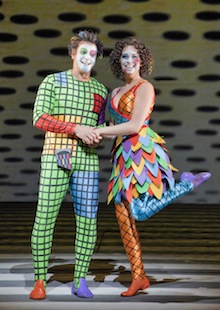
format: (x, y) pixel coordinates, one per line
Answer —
(142, 173)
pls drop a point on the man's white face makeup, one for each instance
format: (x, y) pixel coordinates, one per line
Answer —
(130, 60)
(86, 56)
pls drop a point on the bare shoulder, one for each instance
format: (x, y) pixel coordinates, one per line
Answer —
(146, 86)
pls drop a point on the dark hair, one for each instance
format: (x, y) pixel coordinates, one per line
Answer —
(85, 36)
(147, 60)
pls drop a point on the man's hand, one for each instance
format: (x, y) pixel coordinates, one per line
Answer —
(87, 134)
(94, 145)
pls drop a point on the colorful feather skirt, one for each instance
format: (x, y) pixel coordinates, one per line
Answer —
(141, 167)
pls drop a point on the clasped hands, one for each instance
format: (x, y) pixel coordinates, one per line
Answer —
(89, 135)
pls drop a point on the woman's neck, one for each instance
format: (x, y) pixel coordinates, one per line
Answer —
(132, 80)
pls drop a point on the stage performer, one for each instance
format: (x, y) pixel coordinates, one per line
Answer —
(68, 106)
(142, 182)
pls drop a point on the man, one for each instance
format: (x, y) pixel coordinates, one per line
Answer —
(68, 106)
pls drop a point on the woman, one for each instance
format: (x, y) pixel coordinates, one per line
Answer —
(142, 180)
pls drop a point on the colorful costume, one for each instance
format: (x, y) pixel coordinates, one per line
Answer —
(142, 173)
(141, 183)
(67, 164)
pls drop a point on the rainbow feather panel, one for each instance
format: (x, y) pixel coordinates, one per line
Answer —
(140, 166)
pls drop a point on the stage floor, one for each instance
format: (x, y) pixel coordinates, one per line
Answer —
(181, 247)
(175, 284)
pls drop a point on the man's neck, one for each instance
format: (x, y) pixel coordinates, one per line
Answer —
(81, 76)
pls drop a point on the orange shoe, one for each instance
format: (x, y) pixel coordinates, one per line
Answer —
(39, 291)
(136, 285)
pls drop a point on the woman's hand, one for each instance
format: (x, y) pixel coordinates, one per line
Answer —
(87, 134)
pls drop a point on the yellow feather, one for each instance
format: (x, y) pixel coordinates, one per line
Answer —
(138, 169)
(158, 191)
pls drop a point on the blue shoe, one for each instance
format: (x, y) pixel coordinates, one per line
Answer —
(82, 291)
(195, 179)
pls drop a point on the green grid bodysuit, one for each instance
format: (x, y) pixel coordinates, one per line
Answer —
(62, 101)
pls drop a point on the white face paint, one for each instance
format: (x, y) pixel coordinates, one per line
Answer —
(86, 56)
(130, 60)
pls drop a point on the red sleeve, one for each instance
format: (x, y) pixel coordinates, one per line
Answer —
(47, 122)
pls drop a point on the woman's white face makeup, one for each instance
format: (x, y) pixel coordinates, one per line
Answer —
(130, 60)
(86, 56)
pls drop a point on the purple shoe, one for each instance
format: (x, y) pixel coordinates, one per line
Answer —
(82, 291)
(195, 179)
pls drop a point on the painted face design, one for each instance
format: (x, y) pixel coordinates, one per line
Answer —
(130, 60)
(86, 56)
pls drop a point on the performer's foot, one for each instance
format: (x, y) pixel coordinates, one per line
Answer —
(196, 179)
(135, 286)
(39, 291)
(83, 291)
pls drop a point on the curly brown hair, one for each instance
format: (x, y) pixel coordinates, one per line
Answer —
(85, 36)
(147, 60)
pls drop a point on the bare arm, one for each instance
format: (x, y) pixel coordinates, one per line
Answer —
(110, 136)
